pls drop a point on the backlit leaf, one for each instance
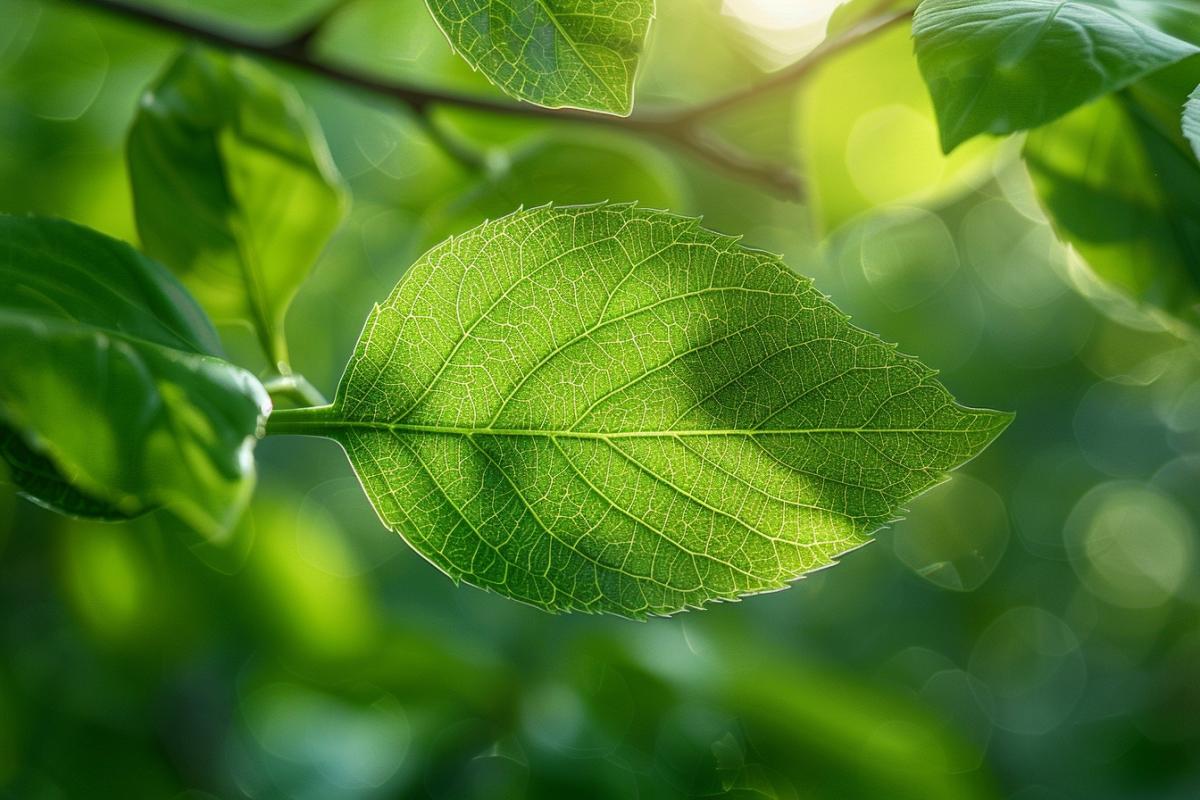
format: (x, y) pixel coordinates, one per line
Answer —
(556, 53)
(112, 404)
(1122, 186)
(609, 409)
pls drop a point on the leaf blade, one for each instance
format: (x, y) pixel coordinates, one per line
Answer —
(985, 62)
(582, 408)
(555, 53)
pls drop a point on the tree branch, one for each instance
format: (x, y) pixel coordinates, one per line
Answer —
(681, 128)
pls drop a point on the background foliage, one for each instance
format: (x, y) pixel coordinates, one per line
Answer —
(1030, 631)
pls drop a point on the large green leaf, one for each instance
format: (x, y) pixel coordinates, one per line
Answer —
(234, 188)
(611, 409)
(999, 66)
(111, 404)
(556, 53)
(1123, 188)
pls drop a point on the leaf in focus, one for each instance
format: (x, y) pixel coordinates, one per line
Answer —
(234, 188)
(867, 135)
(555, 53)
(1122, 187)
(611, 409)
(111, 404)
(999, 66)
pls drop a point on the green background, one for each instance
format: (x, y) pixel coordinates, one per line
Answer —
(1031, 631)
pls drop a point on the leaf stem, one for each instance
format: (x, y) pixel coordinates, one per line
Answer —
(294, 388)
(308, 421)
(680, 130)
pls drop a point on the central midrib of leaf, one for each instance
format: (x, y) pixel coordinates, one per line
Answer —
(326, 421)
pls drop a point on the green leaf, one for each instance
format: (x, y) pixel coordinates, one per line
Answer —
(867, 135)
(999, 66)
(609, 409)
(233, 188)
(1191, 120)
(556, 53)
(111, 403)
(1122, 186)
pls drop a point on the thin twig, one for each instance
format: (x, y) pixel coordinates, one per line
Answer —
(682, 128)
(797, 72)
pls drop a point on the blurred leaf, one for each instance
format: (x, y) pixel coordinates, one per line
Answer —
(987, 61)
(234, 188)
(556, 53)
(868, 138)
(549, 402)
(111, 404)
(853, 12)
(1122, 187)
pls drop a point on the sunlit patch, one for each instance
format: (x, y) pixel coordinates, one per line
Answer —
(325, 743)
(786, 28)
(1131, 545)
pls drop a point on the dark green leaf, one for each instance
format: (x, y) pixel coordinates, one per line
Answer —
(556, 53)
(234, 188)
(999, 66)
(1123, 188)
(610, 409)
(112, 404)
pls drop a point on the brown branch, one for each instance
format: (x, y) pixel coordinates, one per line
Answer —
(677, 128)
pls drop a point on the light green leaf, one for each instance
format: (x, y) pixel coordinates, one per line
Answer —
(233, 188)
(609, 409)
(111, 403)
(1121, 185)
(999, 66)
(556, 53)
(867, 135)
(1191, 120)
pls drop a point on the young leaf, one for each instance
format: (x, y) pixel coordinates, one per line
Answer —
(233, 188)
(111, 404)
(999, 66)
(610, 409)
(1121, 185)
(556, 53)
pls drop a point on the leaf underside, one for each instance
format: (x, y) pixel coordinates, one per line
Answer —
(999, 66)
(555, 53)
(611, 409)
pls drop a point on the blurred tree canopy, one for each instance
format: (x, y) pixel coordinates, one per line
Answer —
(1007, 189)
